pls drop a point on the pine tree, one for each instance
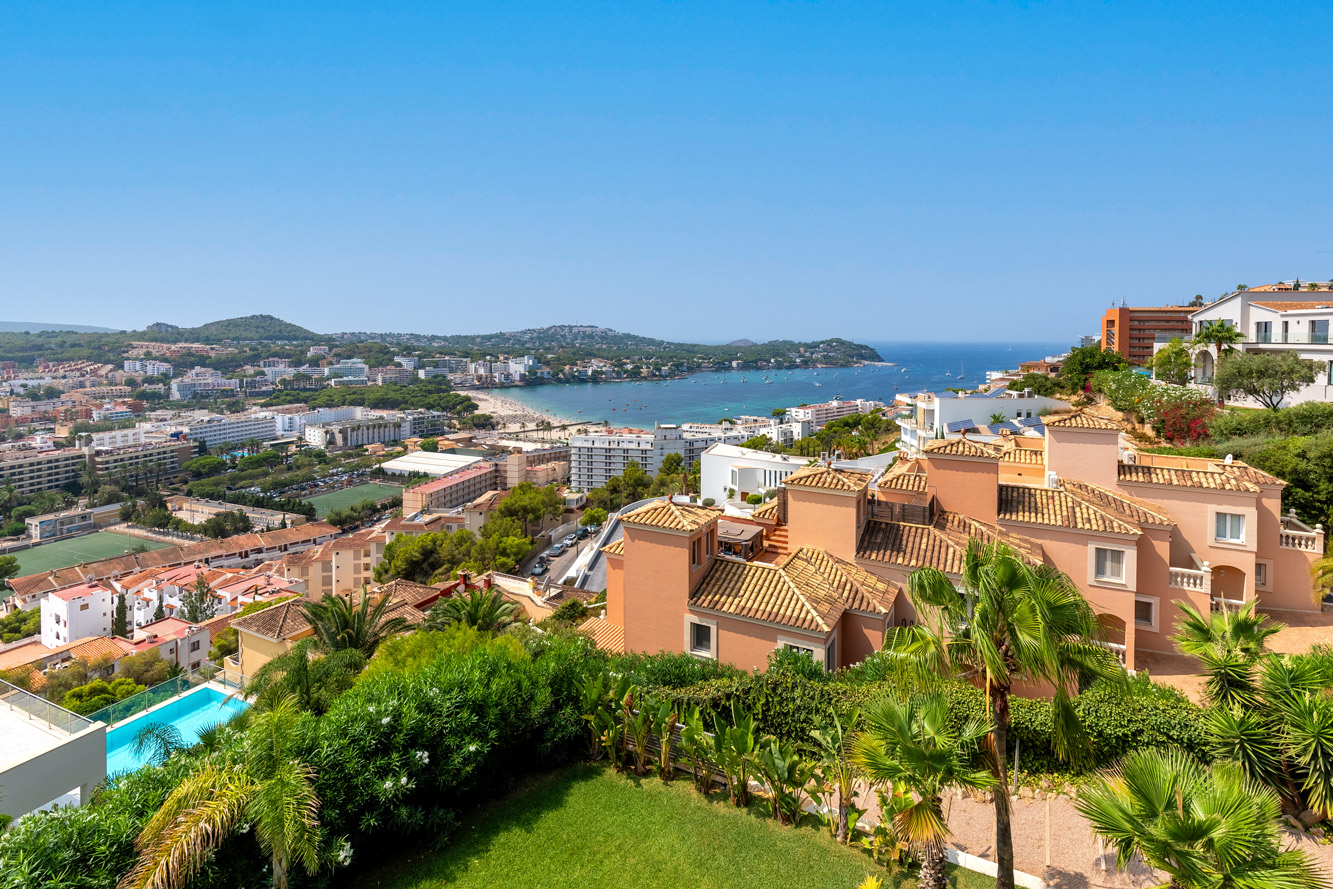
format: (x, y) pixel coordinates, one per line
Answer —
(120, 623)
(160, 612)
(198, 604)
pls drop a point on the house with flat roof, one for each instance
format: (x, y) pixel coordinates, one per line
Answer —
(990, 414)
(48, 752)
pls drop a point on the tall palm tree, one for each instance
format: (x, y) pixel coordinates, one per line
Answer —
(908, 743)
(1229, 644)
(339, 625)
(1220, 335)
(484, 610)
(1205, 827)
(262, 785)
(1007, 622)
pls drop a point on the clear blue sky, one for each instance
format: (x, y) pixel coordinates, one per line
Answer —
(705, 171)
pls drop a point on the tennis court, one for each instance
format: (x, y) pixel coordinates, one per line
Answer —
(89, 548)
(326, 503)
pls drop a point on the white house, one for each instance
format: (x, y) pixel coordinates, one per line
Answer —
(76, 612)
(730, 472)
(949, 415)
(1275, 318)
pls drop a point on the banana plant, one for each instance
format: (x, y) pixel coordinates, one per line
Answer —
(835, 775)
(592, 701)
(664, 716)
(611, 737)
(638, 721)
(787, 776)
(736, 745)
(696, 745)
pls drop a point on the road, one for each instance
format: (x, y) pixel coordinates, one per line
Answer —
(561, 565)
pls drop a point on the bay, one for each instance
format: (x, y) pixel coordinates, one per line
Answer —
(707, 397)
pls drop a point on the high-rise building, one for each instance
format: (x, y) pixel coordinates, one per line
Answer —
(1132, 330)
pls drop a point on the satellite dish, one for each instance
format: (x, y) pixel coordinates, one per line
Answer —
(1229, 460)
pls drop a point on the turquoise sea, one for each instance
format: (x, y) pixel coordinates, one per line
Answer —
(707, 397)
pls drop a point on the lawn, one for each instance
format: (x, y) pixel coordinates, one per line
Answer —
(89, 548)
(327, 503)
(588, 828)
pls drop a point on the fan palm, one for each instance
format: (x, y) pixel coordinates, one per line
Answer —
(265, 786)
(909, 743)
(340, 625)
(1205, 827)
(1322, 572)
(1229, 644)
(1220, 335)
(484, 610)
(1012, 622)
(313, 680)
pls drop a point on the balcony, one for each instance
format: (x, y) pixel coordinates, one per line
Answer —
(1316, 338)
(1295, 534)
(1196, 580)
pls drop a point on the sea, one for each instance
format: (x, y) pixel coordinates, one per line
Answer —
(708, 397)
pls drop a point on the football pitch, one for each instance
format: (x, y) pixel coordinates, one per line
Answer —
(326, 503)
(89, 548)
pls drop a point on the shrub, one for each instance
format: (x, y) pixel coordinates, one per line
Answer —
(709, 501)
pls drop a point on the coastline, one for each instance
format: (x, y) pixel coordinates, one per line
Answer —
(511, 415)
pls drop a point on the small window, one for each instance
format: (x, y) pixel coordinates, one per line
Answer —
(801, 649)
(701, 639)
(1231, 527)
(83, 607)
(1110, 564)
(1145, 612)
(194, 646)
(1261, 574)
(695, 546)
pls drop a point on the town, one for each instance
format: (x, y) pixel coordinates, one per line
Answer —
(167, 555)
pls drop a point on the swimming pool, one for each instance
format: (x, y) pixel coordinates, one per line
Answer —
(191, 713)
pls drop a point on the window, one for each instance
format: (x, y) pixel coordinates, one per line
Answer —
(701, 639)
(1261, 574)
(694, 552)
(83, 607)
(194, 646)
(1109, 564)
(831, 655)
(1145, 612)
(801, 649)
(1231, 527)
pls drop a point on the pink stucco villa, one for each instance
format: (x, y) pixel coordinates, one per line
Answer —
(1135, 532)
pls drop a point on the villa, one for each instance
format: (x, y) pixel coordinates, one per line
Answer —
(1135, 532)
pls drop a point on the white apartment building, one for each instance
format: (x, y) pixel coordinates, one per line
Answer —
(220, 429)
(599, 456)
(378, 429)
(949, 415)
(784, 432)
(406, 361)
(201, 381)
(1274, 318)
(148, 367)
(108, 412)
(76, 612)
(427, 373)
(116, 438)
(819, 415)
(728, 472)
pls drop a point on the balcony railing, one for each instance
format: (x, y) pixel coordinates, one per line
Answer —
(1295, 534)
(1115, 647)
(41, 710)
(1196, 580)
(1316, 338)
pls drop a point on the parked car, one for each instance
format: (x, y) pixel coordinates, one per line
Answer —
(570, 540)
(583, 533)
(557, 549)
(538, 569)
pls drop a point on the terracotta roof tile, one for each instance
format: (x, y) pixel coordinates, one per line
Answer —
(1058, 508)
(1294, 305)
(605, 634)
(615, 547)
(672, 516)
(1137, 473)
(941, 544)
(767, 510)
(828, 478)
(808, 591)
(1082, 420)
(281, 621)
(905, 475)
(958, 447)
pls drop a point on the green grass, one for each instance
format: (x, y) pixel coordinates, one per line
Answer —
(589, 828)
(90, 548)
(327, 503)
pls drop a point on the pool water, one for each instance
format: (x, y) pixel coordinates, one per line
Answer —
(190, 714)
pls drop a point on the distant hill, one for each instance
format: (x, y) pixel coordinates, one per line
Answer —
(37, 326)
(741, 343)
(248, 328)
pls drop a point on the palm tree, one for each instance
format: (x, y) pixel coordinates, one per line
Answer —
(314, 681)
(1322, 572)
(262, 785)
(339, 625)
(1012, 622)
(909, 744)
(1205, 827)
(1220, 335)
(1229, 644)
(484, 610)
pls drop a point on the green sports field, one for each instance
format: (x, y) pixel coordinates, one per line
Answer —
(90, 548)
(326, 503)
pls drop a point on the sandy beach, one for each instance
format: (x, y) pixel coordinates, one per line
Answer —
(511, 415)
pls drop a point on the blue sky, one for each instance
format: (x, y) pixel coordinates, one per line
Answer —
(706, 171)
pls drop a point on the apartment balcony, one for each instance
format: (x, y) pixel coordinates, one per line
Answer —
(1315, 338)
(1196, 580)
